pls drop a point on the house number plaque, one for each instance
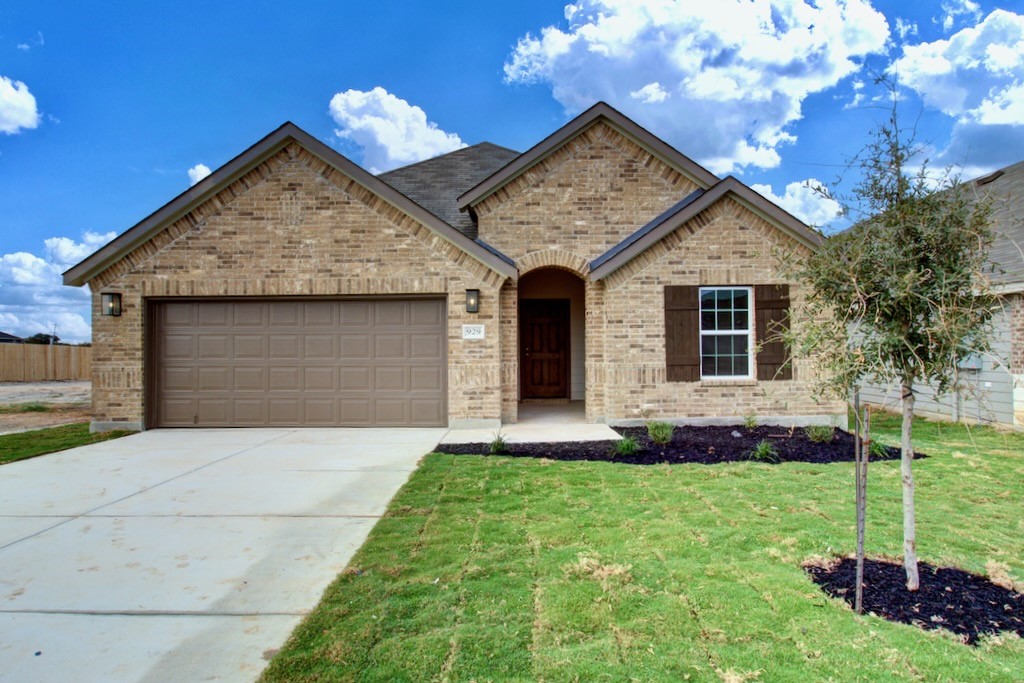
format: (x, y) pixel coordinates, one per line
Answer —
(472, 331)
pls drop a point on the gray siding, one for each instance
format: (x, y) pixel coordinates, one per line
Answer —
(987, 394)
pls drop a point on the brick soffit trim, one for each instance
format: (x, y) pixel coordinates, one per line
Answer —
(207, 188)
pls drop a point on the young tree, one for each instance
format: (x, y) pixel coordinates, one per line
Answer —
(902, 295)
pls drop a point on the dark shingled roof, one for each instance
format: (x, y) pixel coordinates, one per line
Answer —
(6, 338)
(1006, 188)
(435, 184)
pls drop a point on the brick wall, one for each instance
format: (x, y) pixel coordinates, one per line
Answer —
(584, 199)
(295, 227)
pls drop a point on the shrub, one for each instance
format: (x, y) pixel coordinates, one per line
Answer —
(877, 450)
(660, 432)
(820, 433)
(764, 451)
(498, 444)
(625, 446)
(750, 421)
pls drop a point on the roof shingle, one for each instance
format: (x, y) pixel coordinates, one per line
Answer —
(435, 184)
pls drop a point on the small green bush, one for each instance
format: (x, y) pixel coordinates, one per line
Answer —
(750, 421)
(877, 450)
(820, 433)
(34, 407)
(764, 451)
(498, 445)
(660, 432)
(625, 446)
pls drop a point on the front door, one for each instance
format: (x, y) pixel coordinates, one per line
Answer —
(544, 348)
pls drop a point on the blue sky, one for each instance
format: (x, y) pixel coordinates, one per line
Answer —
(108, 110)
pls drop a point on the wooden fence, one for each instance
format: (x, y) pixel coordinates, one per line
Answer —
(41, 362)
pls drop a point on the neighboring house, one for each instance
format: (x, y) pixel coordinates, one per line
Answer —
(10, 339)
(992, 386)
(292, 287)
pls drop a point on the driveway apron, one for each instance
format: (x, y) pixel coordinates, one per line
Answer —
(183, 555)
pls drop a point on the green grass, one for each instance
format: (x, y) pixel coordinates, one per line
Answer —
(41, 441)
(16, 408)
(517, 569)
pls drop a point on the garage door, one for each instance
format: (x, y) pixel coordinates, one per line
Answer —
(299, 363)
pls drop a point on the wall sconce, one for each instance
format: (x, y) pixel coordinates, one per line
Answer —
(472, 301)
(110, 303)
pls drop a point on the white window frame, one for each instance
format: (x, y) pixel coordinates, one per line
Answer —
(701, 332)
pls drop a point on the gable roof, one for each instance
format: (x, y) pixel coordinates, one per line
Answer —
(8, 338)
(697, 201)
(435, 184)
(599, 112)
(208, 187)
(1006, 188)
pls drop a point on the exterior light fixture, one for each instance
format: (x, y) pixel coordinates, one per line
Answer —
(472, 301)
(110, 302)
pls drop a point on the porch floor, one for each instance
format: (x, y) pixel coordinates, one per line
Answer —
(538, 423)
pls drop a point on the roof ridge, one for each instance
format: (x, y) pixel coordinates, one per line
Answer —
(448, 154)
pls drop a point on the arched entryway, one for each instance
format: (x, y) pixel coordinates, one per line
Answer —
(552, 341)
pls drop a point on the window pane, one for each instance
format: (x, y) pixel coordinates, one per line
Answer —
(707, 320)
(724, 320)
(741, 365)
(739, 320)
(707, 301)
(741, 299)
(707, 366)
(740, 345)
(724, 299)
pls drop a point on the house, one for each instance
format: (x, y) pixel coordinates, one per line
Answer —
(992, 387)
(6, 338)
(292, 287)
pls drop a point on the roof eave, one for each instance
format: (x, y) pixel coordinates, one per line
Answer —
(137, 235)
(599, 112)
(731, 186)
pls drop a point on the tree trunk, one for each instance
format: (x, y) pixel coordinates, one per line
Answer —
(907, 475)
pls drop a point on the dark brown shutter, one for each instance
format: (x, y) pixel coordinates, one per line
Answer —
(682, 333)
(771, 310)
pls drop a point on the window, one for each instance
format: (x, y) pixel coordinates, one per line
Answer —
(710, 333)
(726, 332)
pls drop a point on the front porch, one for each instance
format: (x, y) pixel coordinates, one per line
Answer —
(540, 423)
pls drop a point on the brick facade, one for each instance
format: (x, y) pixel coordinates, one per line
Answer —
(296, 226)
(293, 227)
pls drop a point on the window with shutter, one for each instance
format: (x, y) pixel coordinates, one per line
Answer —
(710, 332)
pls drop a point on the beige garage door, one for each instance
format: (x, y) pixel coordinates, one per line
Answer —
(299, 363)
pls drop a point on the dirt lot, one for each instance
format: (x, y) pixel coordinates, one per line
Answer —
(67, 402)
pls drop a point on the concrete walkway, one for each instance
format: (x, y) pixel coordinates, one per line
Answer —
(539, 423)
(183, 555)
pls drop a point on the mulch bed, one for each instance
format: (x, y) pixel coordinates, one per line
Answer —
(969, 605)
(702, 445)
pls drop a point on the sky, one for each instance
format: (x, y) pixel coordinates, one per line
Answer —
(109, 110)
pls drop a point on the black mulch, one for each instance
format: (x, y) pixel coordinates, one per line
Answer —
(702, 445)
(966, 604)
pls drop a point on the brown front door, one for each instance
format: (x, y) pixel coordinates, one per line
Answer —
(544, 347)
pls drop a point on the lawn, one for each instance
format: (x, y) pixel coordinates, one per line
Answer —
(23, 445)
(492, 568)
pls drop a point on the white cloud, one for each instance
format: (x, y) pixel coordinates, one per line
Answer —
(17, 107)
(197, 173)
(650, 94)
(389, 131)
(905, 27)
(803, 201)
(954, 9)
(734, 72)
(33, 296)
(24, 47)
(975, 76)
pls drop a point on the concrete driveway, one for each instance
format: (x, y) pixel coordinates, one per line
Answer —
(183, 555)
